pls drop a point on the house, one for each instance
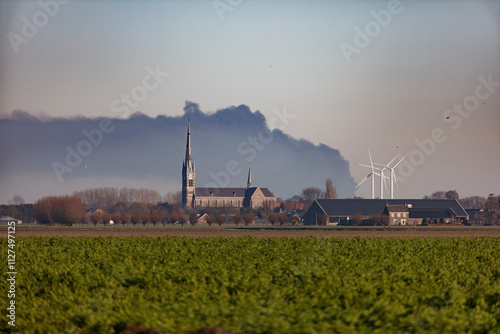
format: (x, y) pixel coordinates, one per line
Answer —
(237, 197)
(398, 214)
(399, 211)
(4, 220)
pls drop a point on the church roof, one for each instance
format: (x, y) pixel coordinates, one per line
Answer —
(229, 192)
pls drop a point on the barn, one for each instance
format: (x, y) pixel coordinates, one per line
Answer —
(397, 211)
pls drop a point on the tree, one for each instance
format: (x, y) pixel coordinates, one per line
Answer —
(375, 220)
(95, 218)
(193, 219)
(183, 219)
(64, 210)
(310, 194)
(106, 217)
(174, 217)
(164, 218)
(236, 219)
(273, 218)
(356, 219)
(331, 191)
(283, 219)
(145, 219)
(472, 202)
(116, 217)
(221, 219)
(210, 219)
(266, 208)
(125, 218)
(155, 218)
(384, 220)
(452, 194)
(248, 218)
(322, 218)
(492, 208)
(135, 219)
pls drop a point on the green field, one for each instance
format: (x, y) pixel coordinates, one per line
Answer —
(256, 285)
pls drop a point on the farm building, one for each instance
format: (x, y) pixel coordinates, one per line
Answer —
(5, 220)
(397, 211)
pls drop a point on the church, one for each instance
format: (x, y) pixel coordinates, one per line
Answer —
(236, 197)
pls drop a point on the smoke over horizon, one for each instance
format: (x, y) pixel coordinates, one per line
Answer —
(44, 155)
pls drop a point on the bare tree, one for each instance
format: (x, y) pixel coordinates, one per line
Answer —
(95, 218)
(221, 219)
(331, 191)
(210, 219)
(492, 207)
(452, 194)
(155, 218)
(65, 210)
(183, 219)
(283, 219)
(193, 219)
(375, 220)
(310, 194)
(322, 218)
(356, 219)
(145, 219)
(135, 219)
(106, 217)
(384, 220)
(164, 218)
(125, 218)
(174, 217)
(248, 218)
(116, 217)
(236, 219)
(273, 218)
(472, 202)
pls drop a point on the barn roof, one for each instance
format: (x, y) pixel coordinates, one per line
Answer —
(367, 207)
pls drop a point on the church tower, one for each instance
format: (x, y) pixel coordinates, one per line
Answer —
(188, 174)
(249, 181)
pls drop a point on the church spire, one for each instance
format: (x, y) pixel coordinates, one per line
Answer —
(188, 175)
(249, 182)
(188, 161)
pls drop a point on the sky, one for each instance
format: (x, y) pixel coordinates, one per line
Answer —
(384, 76)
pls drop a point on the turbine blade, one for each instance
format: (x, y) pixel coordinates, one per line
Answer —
(366, 178)
(401, 160)
(371, 163)
(396, 181)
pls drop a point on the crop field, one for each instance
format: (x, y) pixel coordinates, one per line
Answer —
(258, 231)
(256, 285)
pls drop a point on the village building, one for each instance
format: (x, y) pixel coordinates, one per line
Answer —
(397, 211)
(236, 197)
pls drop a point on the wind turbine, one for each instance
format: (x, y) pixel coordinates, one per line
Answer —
(393, 175)
(381, 171)
(381, 174)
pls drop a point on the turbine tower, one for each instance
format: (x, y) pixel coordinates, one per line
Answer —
(381, 174)
(393, 175)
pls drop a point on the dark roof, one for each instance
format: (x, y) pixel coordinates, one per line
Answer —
(229, 192)
(436, 213)
(367, 207)
(219, 192)
(397, 208)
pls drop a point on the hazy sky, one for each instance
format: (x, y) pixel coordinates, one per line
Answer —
(353, 83)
